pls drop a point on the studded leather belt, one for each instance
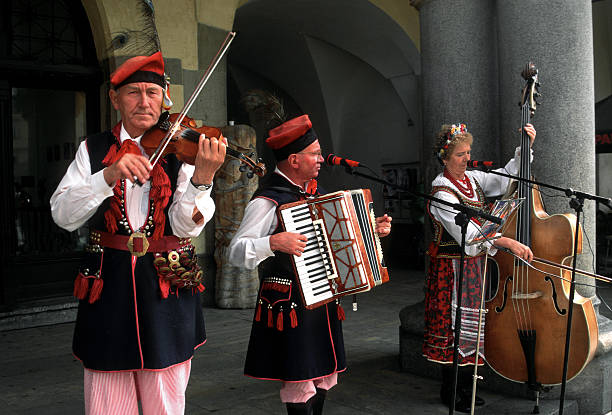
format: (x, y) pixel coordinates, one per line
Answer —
(137, 243)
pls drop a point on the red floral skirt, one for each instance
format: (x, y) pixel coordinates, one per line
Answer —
(439, 312)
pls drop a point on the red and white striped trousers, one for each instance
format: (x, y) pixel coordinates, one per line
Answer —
(159, 392)
(298, 392)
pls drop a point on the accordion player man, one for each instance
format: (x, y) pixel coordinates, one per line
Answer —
(304, 349)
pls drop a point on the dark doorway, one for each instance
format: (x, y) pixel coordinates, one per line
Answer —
(49, 98)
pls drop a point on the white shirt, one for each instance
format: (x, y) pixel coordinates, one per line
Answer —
(251, 243)
(79, 194)
(491, 184)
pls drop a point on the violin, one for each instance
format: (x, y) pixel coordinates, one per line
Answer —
(178, 134)
(184, 143)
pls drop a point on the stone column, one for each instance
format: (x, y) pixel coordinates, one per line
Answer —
(234, 287)
(557, 37)
(459, 74)
(458, 84)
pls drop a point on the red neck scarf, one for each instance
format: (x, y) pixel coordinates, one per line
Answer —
(159, 194)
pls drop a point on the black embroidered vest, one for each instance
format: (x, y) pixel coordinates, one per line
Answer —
(443, 245)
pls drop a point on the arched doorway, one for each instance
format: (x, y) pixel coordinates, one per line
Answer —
(355, 71)
(49, 98)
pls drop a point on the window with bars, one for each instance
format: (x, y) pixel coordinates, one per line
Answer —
(43, 31)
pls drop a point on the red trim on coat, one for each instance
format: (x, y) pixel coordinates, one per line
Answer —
(296, 381)
(131, 370)
(133, 259)
(331, 337)
(280, 299)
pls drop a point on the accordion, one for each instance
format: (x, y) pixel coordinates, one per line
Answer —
(343, 254)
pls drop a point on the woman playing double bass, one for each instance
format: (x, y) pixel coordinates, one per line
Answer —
(456, 185)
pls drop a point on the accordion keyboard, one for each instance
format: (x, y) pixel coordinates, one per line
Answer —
(315, 267)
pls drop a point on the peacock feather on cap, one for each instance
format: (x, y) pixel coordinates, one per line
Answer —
(142, 38)
(264, 107)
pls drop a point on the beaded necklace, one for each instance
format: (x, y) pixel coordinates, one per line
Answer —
(463, 185)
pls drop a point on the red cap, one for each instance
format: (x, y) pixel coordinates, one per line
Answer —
(291, 137)
(140, 69)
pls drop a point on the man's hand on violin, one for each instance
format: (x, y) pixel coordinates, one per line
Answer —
(288, 242)
(210, 156)
(383, 225)
(129, 166)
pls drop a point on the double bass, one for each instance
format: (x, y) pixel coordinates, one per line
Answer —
(526, 323)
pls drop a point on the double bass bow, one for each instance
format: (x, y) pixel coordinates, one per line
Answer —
(527, 317)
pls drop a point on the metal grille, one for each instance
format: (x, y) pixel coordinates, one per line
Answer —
(44, 31)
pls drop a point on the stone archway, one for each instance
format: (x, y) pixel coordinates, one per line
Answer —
(350, 66)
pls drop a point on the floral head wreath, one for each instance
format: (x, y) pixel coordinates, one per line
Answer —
(454, 130)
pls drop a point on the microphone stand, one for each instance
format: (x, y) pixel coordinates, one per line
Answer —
(462, 219)
(576, 202)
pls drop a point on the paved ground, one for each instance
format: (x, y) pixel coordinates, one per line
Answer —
(38, 374)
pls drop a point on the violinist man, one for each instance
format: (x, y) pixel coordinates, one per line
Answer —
(139, 318)
(304, 349)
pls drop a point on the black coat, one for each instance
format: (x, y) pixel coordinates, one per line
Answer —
(315, 346)
(131, 326)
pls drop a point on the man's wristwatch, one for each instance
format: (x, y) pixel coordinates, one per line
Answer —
(200, 186)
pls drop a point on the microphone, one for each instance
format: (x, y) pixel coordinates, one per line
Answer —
(333, 160)
(480, 164)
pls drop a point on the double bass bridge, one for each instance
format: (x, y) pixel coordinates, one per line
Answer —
(527, 296)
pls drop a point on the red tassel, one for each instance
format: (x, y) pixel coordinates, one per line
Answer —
(279, 320)
(269, 316)
(113, 214)
(160, 193)
(293, 317)
(201, 287)
(164, 286)
(81, 285)
(258, 312)
(341, 315)
(114, 211)
(96, 290)
(111, 222)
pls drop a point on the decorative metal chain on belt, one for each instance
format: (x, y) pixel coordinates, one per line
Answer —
(179, 267)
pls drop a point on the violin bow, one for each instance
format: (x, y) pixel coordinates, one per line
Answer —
(177, 123)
